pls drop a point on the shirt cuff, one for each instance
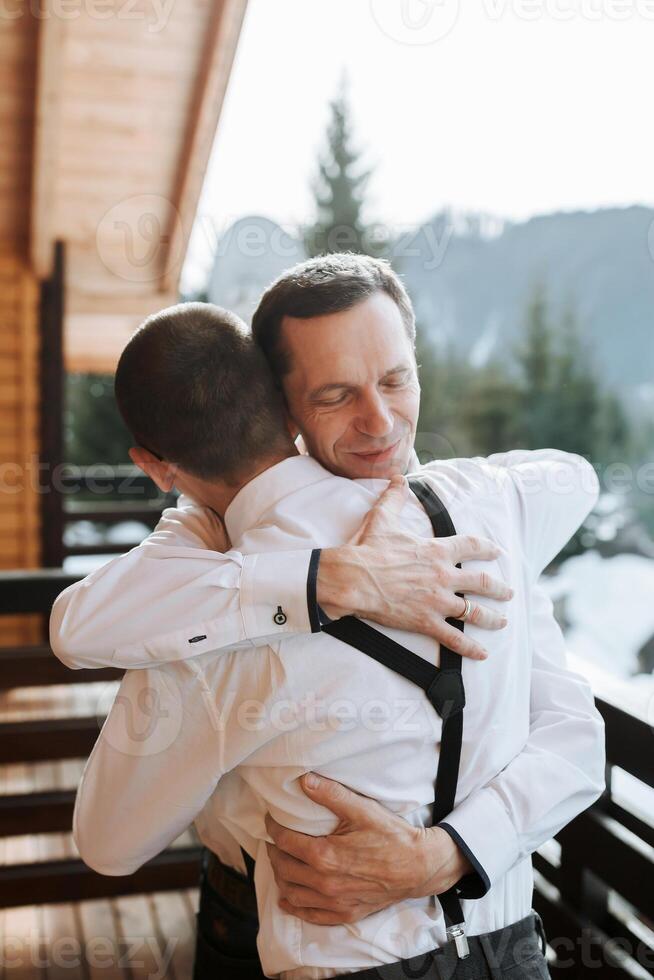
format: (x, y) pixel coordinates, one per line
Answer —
(313, 608)
(476, 883)
(273, 596)
(485, 833)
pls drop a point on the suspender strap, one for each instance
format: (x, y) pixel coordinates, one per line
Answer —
(249, 865)
(443, 686)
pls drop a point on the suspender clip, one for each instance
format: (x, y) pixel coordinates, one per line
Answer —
(457, 935)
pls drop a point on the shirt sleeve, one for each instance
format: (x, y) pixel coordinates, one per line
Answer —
(553, 492)
(557, 775)
(179, 594)
(138, 792)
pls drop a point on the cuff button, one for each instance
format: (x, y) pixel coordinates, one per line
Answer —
(280, 616)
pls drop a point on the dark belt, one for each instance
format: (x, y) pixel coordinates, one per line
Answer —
(495, 952)
(232, 886)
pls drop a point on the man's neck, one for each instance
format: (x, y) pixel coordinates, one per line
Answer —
(219, 495)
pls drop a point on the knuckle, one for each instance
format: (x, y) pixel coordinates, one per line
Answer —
(476, 615)
(485, 583)
(329, 858)
(439, 549)
(331, 888)
(318, 855)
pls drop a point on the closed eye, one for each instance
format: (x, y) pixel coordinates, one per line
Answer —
(333, 401)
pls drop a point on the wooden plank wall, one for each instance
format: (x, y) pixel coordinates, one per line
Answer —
(19, 420)
(18, 51)
(19, 295)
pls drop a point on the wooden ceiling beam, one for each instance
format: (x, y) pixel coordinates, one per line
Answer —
(218, 57)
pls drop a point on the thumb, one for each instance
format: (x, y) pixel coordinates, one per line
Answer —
(394, 497)
(391, 501)
(343, 802)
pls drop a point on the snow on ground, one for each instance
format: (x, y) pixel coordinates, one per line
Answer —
(608, 605)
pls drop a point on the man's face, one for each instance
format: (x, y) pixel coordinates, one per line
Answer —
(353, 388)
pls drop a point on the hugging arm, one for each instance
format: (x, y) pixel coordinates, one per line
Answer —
(558, 773)
(181, 592)
(171, 733)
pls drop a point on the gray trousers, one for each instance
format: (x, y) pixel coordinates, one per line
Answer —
(516, 952)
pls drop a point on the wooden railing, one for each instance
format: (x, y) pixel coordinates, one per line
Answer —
(107, 495)
(597, 896)
(31, 741)
(594, 884)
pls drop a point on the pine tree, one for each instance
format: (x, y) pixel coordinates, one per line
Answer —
(339, 191)
(490, 411)
(535, 357)
(576, 390)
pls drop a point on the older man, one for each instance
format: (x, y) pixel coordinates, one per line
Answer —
(335, 332)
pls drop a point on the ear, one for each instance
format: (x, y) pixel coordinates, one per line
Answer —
(159, 471)
(291, 425)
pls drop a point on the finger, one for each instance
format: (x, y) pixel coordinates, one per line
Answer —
(481, 583)
(322, 917)
(479, 615)
(467, 547)
(344, 802)
(394, 497)
(453, 638)
(302, 846)
(288, 871)
(390, 502)
(300, 897)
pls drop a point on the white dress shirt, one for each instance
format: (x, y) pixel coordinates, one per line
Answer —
(223, 739)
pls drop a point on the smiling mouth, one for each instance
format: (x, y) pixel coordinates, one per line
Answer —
(377, 452)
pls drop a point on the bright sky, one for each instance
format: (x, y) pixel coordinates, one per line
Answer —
(513, 107)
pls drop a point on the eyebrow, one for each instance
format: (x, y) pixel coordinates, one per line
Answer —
(318, 393)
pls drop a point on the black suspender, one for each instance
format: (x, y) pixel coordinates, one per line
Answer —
(443, 686)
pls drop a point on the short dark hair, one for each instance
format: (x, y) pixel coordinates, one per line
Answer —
(194, 389)
(319, 286)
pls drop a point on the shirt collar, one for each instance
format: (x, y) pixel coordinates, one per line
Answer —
(275, 483)
(267, 489)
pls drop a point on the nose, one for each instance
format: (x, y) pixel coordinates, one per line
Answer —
(374, 417)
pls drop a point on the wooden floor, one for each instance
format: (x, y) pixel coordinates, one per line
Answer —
(131, 938)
